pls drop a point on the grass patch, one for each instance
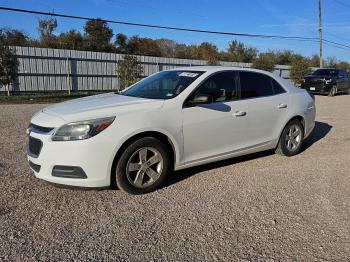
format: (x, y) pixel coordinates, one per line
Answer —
(40, 98)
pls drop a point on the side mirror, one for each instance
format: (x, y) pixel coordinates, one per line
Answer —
(200, 100)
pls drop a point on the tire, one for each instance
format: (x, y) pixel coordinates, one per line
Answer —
(140, 177)
(333, 91)
(286, 146)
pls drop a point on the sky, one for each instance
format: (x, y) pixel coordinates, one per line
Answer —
(297, 17)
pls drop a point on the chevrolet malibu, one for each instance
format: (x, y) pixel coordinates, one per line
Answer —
(168, 121)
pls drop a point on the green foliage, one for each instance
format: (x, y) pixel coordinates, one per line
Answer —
(299, 68)
(143, 46)
(343, 65)
(167, 47)
(265, 62)
(98, 35)
(129, 71)
(71, 40)
(121, 42)
(209, 52)
(8, 65)
(332, 62)
(12, 37)
(238, 52)
(46, 27)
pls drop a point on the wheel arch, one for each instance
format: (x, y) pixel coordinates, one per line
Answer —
(295, 117)
(156, 134)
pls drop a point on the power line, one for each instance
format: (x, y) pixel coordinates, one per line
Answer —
(160, 26)
(283, 37)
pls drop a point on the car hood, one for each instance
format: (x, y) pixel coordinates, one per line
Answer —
(314, 78)
(97, 106)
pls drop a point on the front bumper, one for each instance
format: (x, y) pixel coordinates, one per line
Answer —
(84, 163)
(317, 88)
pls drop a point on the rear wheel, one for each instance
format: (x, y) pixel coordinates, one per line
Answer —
(291, 139)
(333, 91)
(143, 166)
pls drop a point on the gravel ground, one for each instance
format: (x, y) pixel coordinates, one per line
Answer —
(259, 207)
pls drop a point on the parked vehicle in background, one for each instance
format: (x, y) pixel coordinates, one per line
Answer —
(168, 121)
(328, 81)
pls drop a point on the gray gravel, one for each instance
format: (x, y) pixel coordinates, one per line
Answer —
(260, 207)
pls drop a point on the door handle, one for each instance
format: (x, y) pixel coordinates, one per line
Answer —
(239, 113)
(281, 106)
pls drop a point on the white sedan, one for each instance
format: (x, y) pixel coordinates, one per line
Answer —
(168, 121)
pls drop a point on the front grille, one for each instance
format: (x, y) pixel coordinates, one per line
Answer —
(35, 167)
(39, 129)
(315, 83)
(34, 146)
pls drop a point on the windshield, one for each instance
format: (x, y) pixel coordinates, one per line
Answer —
(163, 85)
(326, 72)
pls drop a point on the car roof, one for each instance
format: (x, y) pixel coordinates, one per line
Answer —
(213, 69)
(329, 68)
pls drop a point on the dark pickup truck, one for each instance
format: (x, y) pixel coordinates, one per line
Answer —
(328, 81)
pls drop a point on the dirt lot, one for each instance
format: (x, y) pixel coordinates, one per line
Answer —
(260, 207)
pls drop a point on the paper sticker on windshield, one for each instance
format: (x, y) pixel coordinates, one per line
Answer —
(188, 74)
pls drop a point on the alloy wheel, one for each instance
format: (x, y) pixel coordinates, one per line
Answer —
(144, 167)
(293, 137)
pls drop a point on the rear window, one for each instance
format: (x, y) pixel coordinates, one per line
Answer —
(255, 85)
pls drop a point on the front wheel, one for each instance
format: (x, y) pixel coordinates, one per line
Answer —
(333, 91)
(291, 139)
(143, 166)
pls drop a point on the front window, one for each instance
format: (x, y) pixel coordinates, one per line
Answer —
(163, 85)
(326, 72)
(222, 87)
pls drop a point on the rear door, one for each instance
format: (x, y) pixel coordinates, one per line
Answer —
(266, 104)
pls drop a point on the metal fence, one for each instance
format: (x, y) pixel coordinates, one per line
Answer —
(45, 69)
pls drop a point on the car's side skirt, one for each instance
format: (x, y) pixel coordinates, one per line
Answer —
(245, 151)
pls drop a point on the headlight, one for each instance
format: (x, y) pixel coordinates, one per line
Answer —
(82, 130)
(329, 81)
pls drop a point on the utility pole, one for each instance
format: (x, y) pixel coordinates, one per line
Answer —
(320, 31)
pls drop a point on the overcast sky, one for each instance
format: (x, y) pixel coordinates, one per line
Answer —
(297, 17)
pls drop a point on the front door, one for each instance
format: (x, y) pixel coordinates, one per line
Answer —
(217, 128)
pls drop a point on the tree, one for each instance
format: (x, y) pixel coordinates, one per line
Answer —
(343, 65)
(8, 65)
(265, 61)
(299, 68)
(46, 27)
(167, 47)
(314, 61)
(209, 52)
(332, 62)
(71, 40)
(13, 37)
(129, 71)
(98, 35)
(182, 51)
(121, 42)
(143, 46)
(238, 52)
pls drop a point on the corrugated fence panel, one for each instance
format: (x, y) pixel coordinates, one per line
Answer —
(45, 69)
